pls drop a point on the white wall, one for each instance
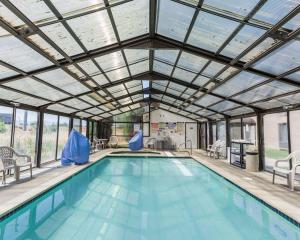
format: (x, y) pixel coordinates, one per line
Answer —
(162, 116)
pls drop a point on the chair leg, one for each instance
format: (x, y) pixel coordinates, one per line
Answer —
(291, 181)
(273, 176)
(3, 178)
(30, 171)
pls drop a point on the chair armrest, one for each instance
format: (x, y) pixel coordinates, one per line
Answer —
(24, 156)
(280, 161)
(295, 166)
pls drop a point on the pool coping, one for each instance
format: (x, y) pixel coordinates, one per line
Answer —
(19, 202)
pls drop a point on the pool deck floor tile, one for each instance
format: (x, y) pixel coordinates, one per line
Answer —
(259, 184)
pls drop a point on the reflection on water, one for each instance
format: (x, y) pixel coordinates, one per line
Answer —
(151, 198)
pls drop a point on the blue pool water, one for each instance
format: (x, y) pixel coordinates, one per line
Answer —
(122, 198)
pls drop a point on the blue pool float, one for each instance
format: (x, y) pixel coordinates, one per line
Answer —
(76, 150)
(136, 143)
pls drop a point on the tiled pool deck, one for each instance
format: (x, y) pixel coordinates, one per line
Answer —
(258, 184)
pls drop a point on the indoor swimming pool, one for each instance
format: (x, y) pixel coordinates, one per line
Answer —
(140, 198)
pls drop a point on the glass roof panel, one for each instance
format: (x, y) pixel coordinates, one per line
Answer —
(76, 103)
(158, 87)
(224, 105)
(111, 61)
(290, 99)
(191, 62)
(73, 7)
(74, 70)
(62, 80)
(213, 68)
(173, 19)
(205, 112)
(238, 83)
(281, 60)
(89, 99)
(118, 74)
(259, 49)
(176, 86)
(207, 100)
(184, 75)
(101, 79)
(133, 55)
(270, 104)
(140, 67)
(9, 17)
(94, 30)
(133, 83)
(295, 76)
(242, 8)
(201, 80)
(132, 18)
(89, 67)
(245, 37)
(6, 72)
(162, 68)
(36, 88)
(274, 10)
(268, 90)
(228, 72)
(46, 47)
(62, 38)
(83, 114)
(61, 108)
(36, 11)
(209, 32)
(173, 92)
(168, 56)
(294, 23)
(18, 54)
(239, 111)
(21, 98)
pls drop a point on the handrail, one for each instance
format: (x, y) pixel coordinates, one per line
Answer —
(191, 146)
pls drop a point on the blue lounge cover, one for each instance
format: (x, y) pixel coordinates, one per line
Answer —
(76, 150)
(136, 143)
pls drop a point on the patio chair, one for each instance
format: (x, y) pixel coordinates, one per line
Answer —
(211, 149)
(113, 142)
(151, 143)
(292, 162)
(10, 159)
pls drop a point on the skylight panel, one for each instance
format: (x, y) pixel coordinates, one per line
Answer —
(134, 55)
(140, 67)
(168, 56)
(111, 61)
(162, 68)
(191, 62)
(118, 74)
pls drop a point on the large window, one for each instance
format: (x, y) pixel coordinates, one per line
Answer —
(235, 129)
(76, 124)
(221, 131)
(214, 132)
(275, 138)
(83, 127)
(63, 134)
(6, 119)
(95, 129)
(250, 130)
(26, 133)
(49, 138)
(91, 129)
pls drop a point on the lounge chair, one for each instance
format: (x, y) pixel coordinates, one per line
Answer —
(113, 142)
(10, 159)
(292, 161)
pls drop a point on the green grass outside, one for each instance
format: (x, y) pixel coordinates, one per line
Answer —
(276, 153)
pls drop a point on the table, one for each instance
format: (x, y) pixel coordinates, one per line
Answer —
(238, 153)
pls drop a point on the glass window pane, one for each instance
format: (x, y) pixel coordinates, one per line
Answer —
(243, 8)
(62, 80)
(132, 18)
(184, 75)
(89, 67)
(282, 60)
(133, 55)
(61, 108)
(168, 56)
(118, 74)
(18, 54)
(223, 106)
(191, 62)
(111, 61)
(209, 32)
(63, 134)
(239, 111)
(49, 138)
(213, 68)
(36, 88)
(294, 130)
(235, 129)
(138, 68)
(173, 19)
(6, 119)
(274, 10)
(294, 23)
(245, 37)
(275, 138)
(61, 37)
(238, 83)
(295, 76)
(208, 100)
(26, 133)
(221, 131)
(76, 124)
(250, 129)
(162, 68)
(83, 127)
(94, 30)
(6, 72)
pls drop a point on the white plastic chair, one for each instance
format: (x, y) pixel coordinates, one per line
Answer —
(212, 149)
(10, 159)
(113, 142)
(293, 161)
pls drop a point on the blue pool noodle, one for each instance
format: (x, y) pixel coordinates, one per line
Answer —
(76, 150)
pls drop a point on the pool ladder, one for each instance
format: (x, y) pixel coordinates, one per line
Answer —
(190, 151)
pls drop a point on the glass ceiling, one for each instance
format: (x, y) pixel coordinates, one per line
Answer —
(201, 59)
